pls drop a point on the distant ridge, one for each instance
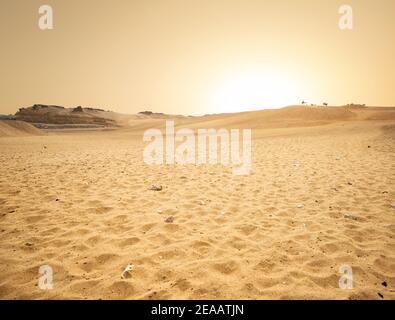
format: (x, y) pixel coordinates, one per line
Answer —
(52, 114)
(58, 117)
(157, 115)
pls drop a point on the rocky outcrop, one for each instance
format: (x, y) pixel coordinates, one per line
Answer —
(52, 114)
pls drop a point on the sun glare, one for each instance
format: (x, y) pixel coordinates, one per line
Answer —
(254, 91)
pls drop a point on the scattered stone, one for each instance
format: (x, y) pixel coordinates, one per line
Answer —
(300, 206)
(369, 147)
(28, 244)
(202, 203)
(380, 295)
(155, 187)
(160, 211)
(387, 225)
(384, 284)
(349, 183)
(127, 272)
(385, 192)
(350, 216)
(57, 200)
(392, 205)
(169, 220)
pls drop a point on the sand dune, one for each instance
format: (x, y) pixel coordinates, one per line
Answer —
(319, 197)
(11, 128)
(297, 116)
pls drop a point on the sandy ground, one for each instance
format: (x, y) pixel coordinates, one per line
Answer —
(80, 203)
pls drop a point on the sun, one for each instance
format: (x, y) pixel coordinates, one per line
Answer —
(255, 90)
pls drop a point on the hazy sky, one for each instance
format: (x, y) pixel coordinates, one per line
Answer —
(196, 56)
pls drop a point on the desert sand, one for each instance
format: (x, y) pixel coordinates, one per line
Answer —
(319, 196)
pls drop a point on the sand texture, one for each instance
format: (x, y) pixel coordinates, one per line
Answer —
(319, 196)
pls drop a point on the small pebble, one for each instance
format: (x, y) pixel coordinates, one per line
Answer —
(380, 295)
(300, 206)
(127, 272)
(350, 216)
(169, 220)
(384, 284)
(156, 187)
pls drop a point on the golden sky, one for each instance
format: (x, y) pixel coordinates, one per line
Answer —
(196, 56)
